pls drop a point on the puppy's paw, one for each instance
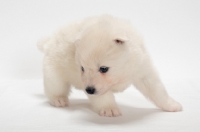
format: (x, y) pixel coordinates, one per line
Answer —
(59, 101)
(172, 106)
(110, 112)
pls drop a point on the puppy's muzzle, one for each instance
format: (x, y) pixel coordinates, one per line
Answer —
(90, 90)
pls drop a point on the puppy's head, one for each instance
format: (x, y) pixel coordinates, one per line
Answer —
(101, 54)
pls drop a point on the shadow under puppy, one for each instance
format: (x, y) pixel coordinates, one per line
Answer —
(100, 55)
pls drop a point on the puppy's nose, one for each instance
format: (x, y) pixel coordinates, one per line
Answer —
(90, 90)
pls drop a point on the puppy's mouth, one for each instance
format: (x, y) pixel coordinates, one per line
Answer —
(98, 93)
(92, 91)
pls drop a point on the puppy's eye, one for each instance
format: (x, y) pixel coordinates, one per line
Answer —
(103, 69)
(82, 68)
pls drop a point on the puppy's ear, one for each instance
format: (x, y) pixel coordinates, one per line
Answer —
(121, 40)
(77, 39)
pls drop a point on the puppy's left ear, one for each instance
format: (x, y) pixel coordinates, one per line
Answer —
(121, 40)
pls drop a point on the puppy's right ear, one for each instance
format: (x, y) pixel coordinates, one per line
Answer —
(76, 42)
(77, 39)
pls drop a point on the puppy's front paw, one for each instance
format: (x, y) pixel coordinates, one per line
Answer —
(110, 112)
(172, 106)
(59, 101)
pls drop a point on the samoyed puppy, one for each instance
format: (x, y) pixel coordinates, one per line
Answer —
(100, 55)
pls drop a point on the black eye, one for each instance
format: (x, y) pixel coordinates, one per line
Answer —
(82, 68)
(103, 69)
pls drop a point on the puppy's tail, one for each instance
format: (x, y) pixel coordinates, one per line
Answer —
(42, 43)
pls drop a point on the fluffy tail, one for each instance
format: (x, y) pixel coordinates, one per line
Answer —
(41, 44)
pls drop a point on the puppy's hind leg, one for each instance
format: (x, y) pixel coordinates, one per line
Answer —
(56, 88)
(149, 83)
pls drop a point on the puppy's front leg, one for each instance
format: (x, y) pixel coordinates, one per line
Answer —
(151, 86)
(56, 88)
(105, 104)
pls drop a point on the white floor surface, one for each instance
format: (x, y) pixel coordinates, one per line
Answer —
(24, 108)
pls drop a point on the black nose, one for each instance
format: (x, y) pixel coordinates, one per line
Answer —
(90, 90)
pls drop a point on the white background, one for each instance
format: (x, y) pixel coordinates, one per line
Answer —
(171, 30)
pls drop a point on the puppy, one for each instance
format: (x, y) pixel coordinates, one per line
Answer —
(100, 55)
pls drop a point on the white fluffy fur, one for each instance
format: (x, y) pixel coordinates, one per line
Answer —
(90, 43)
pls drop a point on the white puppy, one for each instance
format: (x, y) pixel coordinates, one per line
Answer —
(100, 55)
